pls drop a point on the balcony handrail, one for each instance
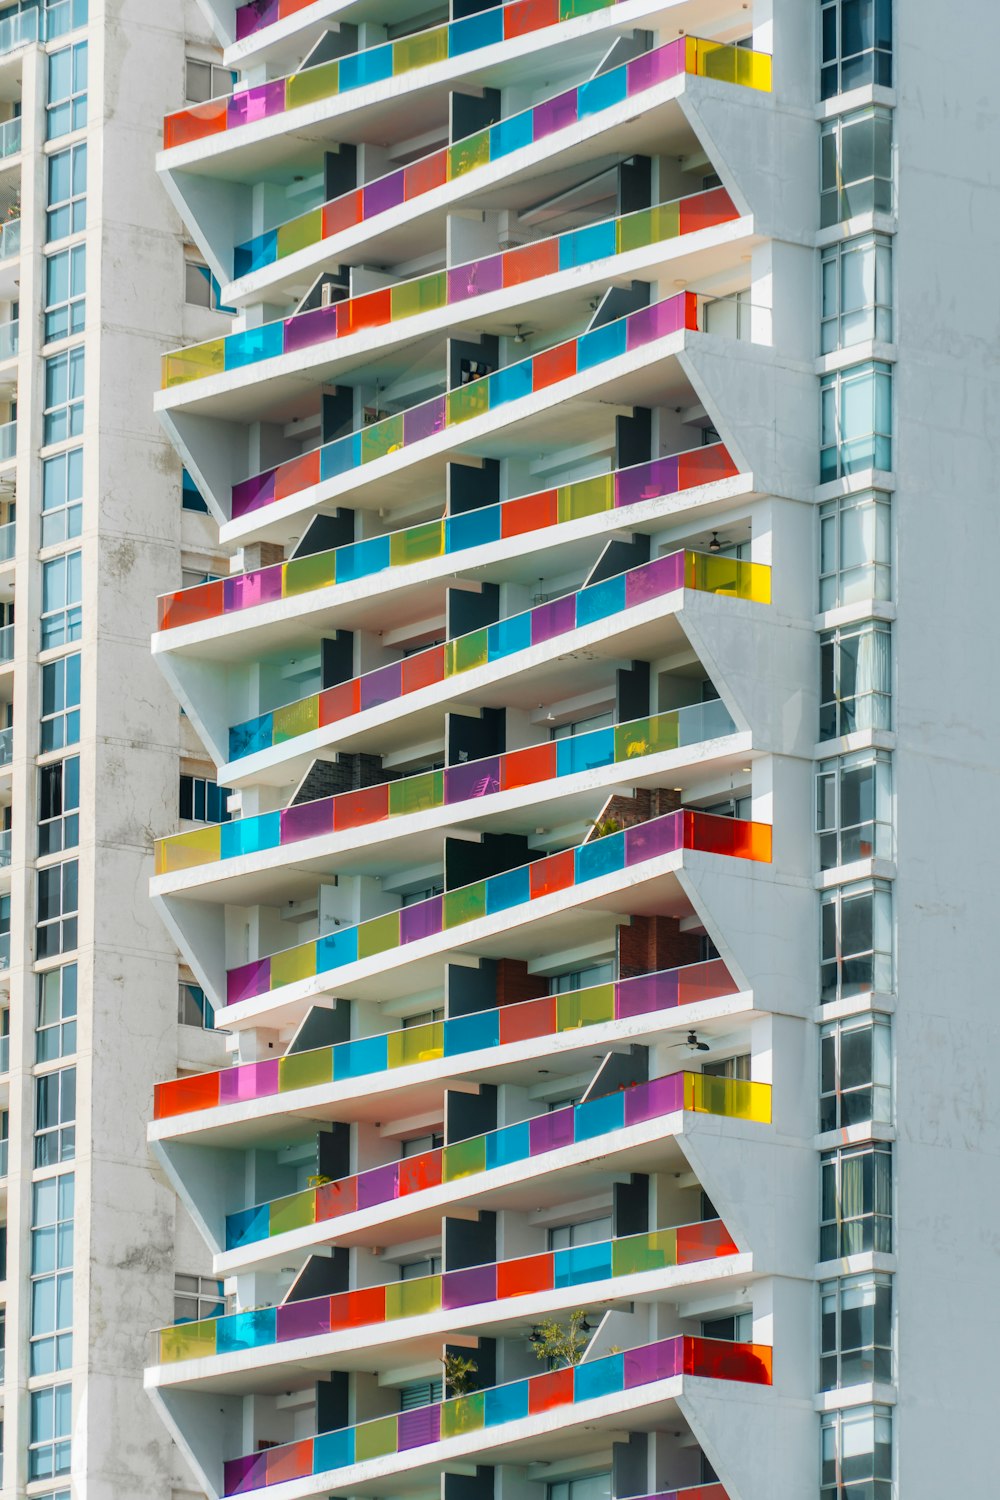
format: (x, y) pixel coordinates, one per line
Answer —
(10, 135)
(6, 745)
(7, 643)
(8, 441)
(9, 338)
(18, 30)
(8, 541)
(5, 846)
(10, 239)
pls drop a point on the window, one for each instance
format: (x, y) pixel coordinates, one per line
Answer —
(856, 421)
(197, 1297)
(201, 288)
(65, 286)
(855, 547)
(855, 1072)
(581, 726)
(67, 106)
(193, 1007)
(856, 165)
(62, 497)
(63, 416)
(62, 16)
(737, 1328)
(419, 1393)
(855, 1331)
(418, 1144)
(57, 906)
(729, 1067)
(581, 979)
(55, 1025)
(857, 45)
(62, 611)
(856, 941)
(589, 1487)
(588, 1232)
(855, 679)
(856, 1454)
(191, 496)
(52, 1225)
(4, 932)
(207, 80)
(413, 1270)
(55, 1117)
(59, 806)
(49, 1444)
(423, 1018)
(67, 192)
(5, 1039)
(201, 801)
(856, 1213)
(51, 1346)
(854, 808)
(857, 292)
(60, 724)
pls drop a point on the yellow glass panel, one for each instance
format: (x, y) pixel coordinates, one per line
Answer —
(463, 1414)
(184, 851)
(585, 1007)
(293, 964)
(467, 401)
(737, 1098)
(411, 1299)
(373, 1439)
(465, 155)
(414, 1044)
(294, 719)
(321, 82)
(187, 1341)
(420, 51)
(728, 575)
(589, 497)
(378, 935)
(194, 363)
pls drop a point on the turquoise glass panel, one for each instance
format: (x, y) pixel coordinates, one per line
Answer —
(601, 600)
(246, 1330)
(598, 1116)
(473, 528)
(373, 65)
(250, 835)
(336, 948)
(510, 135)
(340, 457)
(601, 92)
(582, 1263)
(369, 1054)
(260, 251)
(581, 246)
(248, 1226)
(603, 344)
(471, 32)
(510, 383)
(509, 889)
(605, 1377)
(582, 752)
(508, 636)
(363, 558)
(506, 1403)
(512, 1144)
(248, 738)
(599, 857)
(333, 1450)
(468, 1033)
(246, 348)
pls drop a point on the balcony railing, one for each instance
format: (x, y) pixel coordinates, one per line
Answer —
(595, 1121)
(472, 1287)
(492, 1409)
(4, 951)
(8, 540)
(5, 1053)
(547, 1016)
(6, 745)
(10, 239)
(6, 639)
(459, 284)
(8, 441)
(10, 136)
(507, 639)
(9, 339)
(510, 137)
(5, 842)
(3, 1156)
(18, 30)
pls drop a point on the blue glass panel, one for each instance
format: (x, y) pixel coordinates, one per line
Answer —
(336, 948)
(482, 30)
(604, 1377)
(246, 348)
(601, 92)
(511, 1144)
(248, 1226)
(362, 558)
(510, 383)
(582, 1263)
(506, 1403)
(604, 343)
(467, 1033)
(510, 135)
(509, 889)
(333, 1450)
(248, 738)
(599, 857)
(597, 1116)
(508, 636)
(584, 245)
(581, 752)
(370, 66)
(368, 1054)
(340, 457)
(260, 251)
(246, 1330)
(251, 835)
(474, 528)
(600, 600)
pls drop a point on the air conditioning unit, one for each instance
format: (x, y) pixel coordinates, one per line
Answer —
(326, 294)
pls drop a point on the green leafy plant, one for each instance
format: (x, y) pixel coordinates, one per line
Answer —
(459, 1373)
(604, 826)
(317, 1180)
(561, 1344)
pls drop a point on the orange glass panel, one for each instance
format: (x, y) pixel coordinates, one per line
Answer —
(704, 1242)
(290, 1461)
(529, 766)
(336, 1198)
(553, 1389)
(356, 809)
(373, 310)
(290, 7)
(342, 213)
(339, 702)
(424, 175)
(704, 466)
(422, 670)
(555, 873)
(297, 474)
(704, 982)
(194, 124)
(706, 209)
(528, 262)
(524, 16)
(419, 1172)
(720, 1360)
(358, 1309)
(189, 606)
(179, 1096)
(553, 365)
(532, 1273)
(530, 513)
(528, 1019)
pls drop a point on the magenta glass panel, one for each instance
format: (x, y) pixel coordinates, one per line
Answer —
(464, 1288)
(647, 992)
(420, 921)
(382, 686)
(310, 328)
(415, 1428)
(647, 840)
(654, 322)
(663, 1096)
(248, 980)
(477, 778)
(307, 821)
(552, 619)
(380, 1185)
(653, 1362)
(654, 67)
(554, 114)
(302, 1320)
(250, 494)
(423, 420)
(548, 1132)
(255, 16)
(646, 481)
(256, 103)
(476, 278)
(257, 1080)
(655, 579)
(382, 194)
(247, 589)
(240, 1475)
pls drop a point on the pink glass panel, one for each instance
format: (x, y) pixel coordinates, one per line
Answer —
(552, 619)
(250, 494)
(646, 481)
(257, 1080)
(256, 103)
(549, 1132)
(476, 278)
(647, 840)
(248, 980)
(554, 114)
(662, 1096)
(247, 589)
(653, 1362)
(655, 322)
(648, 992)
(655, 67)
(655, 579)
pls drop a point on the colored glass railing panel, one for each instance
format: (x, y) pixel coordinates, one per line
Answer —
(423, 792)
(453, 1037)
(452, 534)
(509, 136)
(459, 284)
(507, 638)
(685, 829)
(657, 1250)
(714, 1359)
(594, 1120)
(506, 386)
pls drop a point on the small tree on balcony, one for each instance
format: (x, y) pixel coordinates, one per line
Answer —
(561, 1344)
(459, 1373)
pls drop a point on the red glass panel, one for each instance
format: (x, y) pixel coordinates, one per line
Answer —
(717, 1359)
(421, 176)
(355, 809)
(339, 702)
(424, 669)
(290, 7)
(704, 1242)
(358, 1309)
(336, 1198)
(530, 513)
(419, 1172)
(704, 466)
(532, 1273)
(706, 209)
(529, 766)
(555, 873)
(373, 310)
(553, 365)
(290, 1461)
(180, 1096)
(195, 124)
(553, 1389)
(528, 262)
(297, 474)
(529, 15)
(342, 213)
(189, 606)
(529, 1018)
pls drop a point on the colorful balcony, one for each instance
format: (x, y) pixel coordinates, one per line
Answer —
(497, 1408)
(509, 139)
(455, 287)
(593, 1123)
(476, 1287)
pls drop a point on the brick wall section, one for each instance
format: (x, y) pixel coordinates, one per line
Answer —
(515, 984)
(645, 803)
(328, 778)
(262, 555)
(648, 944)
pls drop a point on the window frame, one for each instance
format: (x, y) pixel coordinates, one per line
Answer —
(60, 726)
(66, 470)
(843, 843)
(844, 1233)
(64, 919)
(841, 199)
(844, 1105)
(844, 450)
(851, 583)
(75, 300)
(842, 1353)
(67, 112)
(59, 1083)
(836, 1482)
(57, 1446)
(851, 712)
(74, 206)
(839, 73)
(841, 971)
(839, 259)
(59, 788)
(65, 393)
(56, 988)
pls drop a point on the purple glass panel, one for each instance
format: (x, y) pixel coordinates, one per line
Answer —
(257, 1080)
(383, 193)
(477, 277)
(380, 1185)
(247, 589)
(310, 328)
(477, 778)
(655, 67)
(240, 1475)
(307, 821)
(648, 992)
(654, 322)
(464, 1288)
(302, 1320)
(248, 980)
(554, 114)
(653, 1362)
(250, 494)
(654, 579)
(384, 685)
(256, 103)
(552, 619)
(647, 840)
(423, 420)
(663, 1096)
(420, 921)
(548, 1132)
(255, 16)
(646, 482)
(418, 1427)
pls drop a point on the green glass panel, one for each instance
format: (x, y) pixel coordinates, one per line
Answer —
(187, 1341)
(464, 1158)
(644, 1252)
(468, 401)
(425, 295)
(463, 1414)
(646, 736)
(649, 227)
(414, 1044)
(585, 1007)
(418, 544)
(315, 83)
(466, 652)
(420, 51)
(381, 438)
(293, 964)
(299, 233)
(466, 155)
(303, 574)
(465, 904)
(416, 793)
(591, 497)
(295, 719)
(295, 1212)
(378, 935)
(569, 8)
(411, 1299)
(304, 1070)
(373, 1439)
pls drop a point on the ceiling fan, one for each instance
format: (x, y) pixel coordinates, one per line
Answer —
(692, 1043)
(522, 335)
